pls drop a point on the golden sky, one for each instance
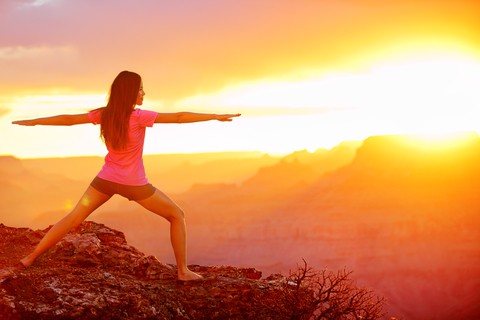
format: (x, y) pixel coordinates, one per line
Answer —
(304, 73)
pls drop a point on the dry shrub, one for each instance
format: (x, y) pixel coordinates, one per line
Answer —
(324, 295)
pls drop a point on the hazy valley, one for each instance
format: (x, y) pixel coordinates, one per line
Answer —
(404, 217)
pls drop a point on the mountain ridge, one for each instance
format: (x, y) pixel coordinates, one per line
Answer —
(403, 215)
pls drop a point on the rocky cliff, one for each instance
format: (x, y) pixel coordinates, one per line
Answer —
(94, 274)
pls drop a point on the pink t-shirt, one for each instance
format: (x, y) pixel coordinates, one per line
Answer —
(126, 166)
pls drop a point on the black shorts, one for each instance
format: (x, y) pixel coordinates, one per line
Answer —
(134, 193)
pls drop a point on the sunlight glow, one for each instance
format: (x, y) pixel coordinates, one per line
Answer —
(432, 93)
(68, 204)
(45, 141)
(442, 141)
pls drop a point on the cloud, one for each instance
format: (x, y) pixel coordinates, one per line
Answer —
(12, 4)
(183, 48)
(31, 3)
(37, 3)
(21, 52)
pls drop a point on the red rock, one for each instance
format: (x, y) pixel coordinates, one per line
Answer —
(94, 274)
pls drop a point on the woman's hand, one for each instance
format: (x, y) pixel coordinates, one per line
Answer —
(226, 117)
(31, 122)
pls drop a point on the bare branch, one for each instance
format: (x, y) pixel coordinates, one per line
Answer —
(324, 295)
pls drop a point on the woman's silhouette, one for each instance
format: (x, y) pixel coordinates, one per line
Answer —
(122, 128)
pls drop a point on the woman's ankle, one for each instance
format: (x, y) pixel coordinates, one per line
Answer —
(28, 260)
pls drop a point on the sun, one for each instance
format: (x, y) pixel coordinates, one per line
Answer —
(441, 141)
(439, 90)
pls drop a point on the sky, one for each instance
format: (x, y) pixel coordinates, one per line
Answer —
(305, 74)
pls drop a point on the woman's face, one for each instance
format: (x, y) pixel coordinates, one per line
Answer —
(140, 95)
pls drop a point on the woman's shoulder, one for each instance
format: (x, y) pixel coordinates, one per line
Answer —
(146, 117)
(95, 115)
(144, 113)
(138, 111)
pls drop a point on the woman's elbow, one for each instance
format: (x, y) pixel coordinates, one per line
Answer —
(180, 117)
(68, 120)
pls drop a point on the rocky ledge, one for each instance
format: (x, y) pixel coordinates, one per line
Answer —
(94, 274)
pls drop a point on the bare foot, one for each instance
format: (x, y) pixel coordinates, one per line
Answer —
(189, 275)
(27, 261)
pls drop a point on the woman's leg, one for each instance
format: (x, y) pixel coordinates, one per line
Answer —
(162, 205)
(91, 200)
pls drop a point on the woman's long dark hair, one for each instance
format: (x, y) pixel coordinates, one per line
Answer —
(116, 115)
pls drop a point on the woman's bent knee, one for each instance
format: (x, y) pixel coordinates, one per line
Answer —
(176, 214)
(162, 205)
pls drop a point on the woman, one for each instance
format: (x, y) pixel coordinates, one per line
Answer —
(122, 127)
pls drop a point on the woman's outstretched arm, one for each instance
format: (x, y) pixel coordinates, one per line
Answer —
(60, 120)
(187, 117)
